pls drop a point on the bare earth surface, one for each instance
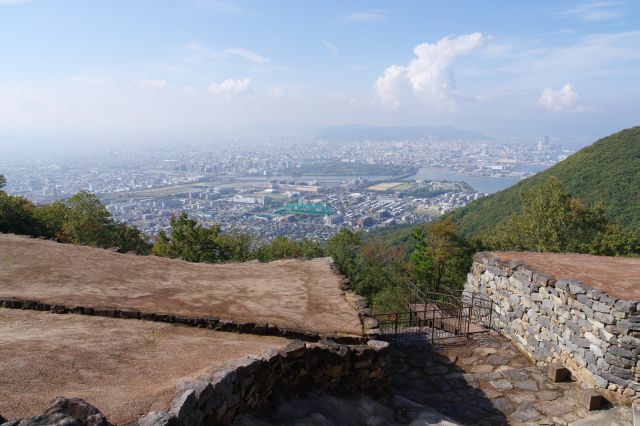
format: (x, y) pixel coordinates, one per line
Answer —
(295, 294)
(618, 276)
(124, 367)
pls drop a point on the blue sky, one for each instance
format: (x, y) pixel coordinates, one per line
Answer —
(206, 67)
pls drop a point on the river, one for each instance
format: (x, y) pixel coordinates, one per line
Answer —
(479, 183)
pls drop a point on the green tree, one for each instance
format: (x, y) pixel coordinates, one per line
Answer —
(87, 221)
(16, 215)
(553, 221)
(3, 181)
(344, 248)
(285, 248)
(440, 257)
(190, 241)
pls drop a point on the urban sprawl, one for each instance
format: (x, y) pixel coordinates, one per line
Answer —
(296, 188)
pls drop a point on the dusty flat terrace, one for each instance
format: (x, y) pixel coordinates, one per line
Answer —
(618, 276)
(295, 294)
(125, 368)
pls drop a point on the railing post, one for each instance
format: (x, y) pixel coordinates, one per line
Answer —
(395, 333)
(473, 298)
(490, 314)
(433, 323)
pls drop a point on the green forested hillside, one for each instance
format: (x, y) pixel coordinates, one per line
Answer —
(607, 171)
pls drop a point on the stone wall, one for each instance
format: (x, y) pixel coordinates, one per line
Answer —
(248, 384)
(592, 333)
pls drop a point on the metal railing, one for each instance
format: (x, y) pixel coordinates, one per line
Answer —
(437, 316)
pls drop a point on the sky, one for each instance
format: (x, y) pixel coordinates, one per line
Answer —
(200, 68)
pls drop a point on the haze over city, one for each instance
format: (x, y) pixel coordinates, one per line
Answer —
(327, 212)
(120, 71)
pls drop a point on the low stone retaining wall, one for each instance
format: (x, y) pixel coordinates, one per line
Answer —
(262, 329)
(248, 384)
(592, 333)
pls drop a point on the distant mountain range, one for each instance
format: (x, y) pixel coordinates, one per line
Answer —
(607, 171)
(357, 132)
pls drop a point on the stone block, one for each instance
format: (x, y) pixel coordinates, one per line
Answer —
(625, 306)
(558, 373)
(624, 373)
(158, 418)
(590, 399)
(183, 405)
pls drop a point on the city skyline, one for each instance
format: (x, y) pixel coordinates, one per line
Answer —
(204, 68)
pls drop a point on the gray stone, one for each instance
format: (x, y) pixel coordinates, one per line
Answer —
(620, 362)
(554, 408)
(77, 408)
(497, 359)
(601, 307)
(600, 382)
(528, 385)
(604, 318)
(624, 373)
(547, 395)
(501, 384)
(56, 419)
(625, 306)
(597, 351)
(158, 418)
(503, 405)
(515, 374)
(525, 413)
(183, 405)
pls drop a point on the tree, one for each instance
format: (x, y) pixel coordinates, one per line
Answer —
(344, 248)
(87, 221)
(376, 267)
(552, 221)
(190, 241)
(285, 248)
(3, 181)
(440, 257)
(16, 215)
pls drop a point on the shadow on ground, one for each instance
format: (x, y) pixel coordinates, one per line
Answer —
(482, 381)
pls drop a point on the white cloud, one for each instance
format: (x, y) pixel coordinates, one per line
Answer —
(230, 87)
(429, 75)
(563, 100)
(248, 55)
(374, 15)
(154, 84)
(331, 48)
(595, 11)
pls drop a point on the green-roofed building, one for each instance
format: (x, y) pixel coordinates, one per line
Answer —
(300, 208)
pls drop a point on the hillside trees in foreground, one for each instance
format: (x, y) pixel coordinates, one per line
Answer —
(441, 258)
(553, 221)
(81, 219)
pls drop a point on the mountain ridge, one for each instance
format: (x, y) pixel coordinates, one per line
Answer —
(607, 171)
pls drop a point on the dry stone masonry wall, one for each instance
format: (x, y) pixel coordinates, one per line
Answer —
(595, 335)
(248, 384)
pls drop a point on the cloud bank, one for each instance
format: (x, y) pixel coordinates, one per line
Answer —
(230, 87)
(563, 100)
(428, 76)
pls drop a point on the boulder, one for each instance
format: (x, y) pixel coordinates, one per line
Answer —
(158, 418)
(77, 408)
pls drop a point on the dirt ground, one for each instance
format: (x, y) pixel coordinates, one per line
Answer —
(125, 368)
(297, 294)
(618, 276)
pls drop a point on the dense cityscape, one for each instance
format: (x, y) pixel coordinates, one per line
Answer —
(288, 187)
